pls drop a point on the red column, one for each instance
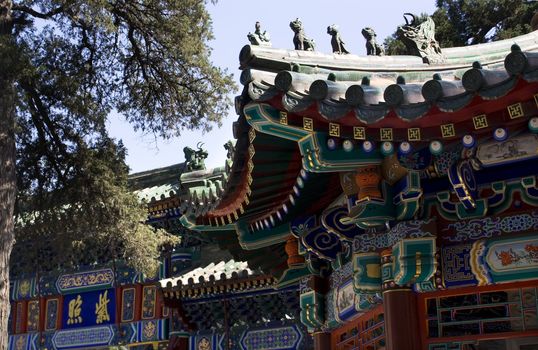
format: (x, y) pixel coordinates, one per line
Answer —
(401, 320)
(322, 341)
(178, 343)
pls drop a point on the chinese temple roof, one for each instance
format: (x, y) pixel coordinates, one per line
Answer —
(159, 189)
(399, 92)
(213, 272)
(261, 188)
(156, 184)
(308, 121)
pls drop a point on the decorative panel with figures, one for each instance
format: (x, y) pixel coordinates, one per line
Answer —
(32, 320)
(491, 261)
(149, 300)
(51, 314)
(19, 317)
(128, 304)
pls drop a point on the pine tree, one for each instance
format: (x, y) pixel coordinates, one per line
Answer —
(468, 22)
(64, 66)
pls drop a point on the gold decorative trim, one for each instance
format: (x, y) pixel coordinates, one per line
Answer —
(448, 130)
(251, 135)
(413, 134)
(283, 118)
(480, 121)
(334, 129)
(385, 134)
(308, 124)
(359, 133)
(516, 110)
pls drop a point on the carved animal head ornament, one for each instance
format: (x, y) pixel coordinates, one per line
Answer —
(372, 47)
(419, 39)
(368, 33)
(259, 37)
(300, 40)
(333, 29)
(195, 159)
(337, 43)
(411, 21)
(296, 25)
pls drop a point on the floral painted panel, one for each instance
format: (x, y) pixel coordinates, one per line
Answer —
(505, 259)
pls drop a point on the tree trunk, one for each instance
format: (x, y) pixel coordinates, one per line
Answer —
(8, 181)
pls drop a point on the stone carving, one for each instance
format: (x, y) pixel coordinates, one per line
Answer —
(336, 41)
(258, 37)
(194, 160)
(420, 39)
(300, 40)
(372, 47)
(230, 149)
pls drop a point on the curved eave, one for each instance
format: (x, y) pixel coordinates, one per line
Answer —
(367, 102)
(267, 178)
(504, 96)
(512, 108)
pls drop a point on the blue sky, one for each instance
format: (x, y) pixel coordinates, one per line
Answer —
(232, 20)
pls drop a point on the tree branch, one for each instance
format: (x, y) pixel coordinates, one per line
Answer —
(30, 11)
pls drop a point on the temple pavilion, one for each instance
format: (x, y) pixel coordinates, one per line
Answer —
(367, 202)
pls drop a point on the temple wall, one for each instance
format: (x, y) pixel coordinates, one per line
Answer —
(102, 307)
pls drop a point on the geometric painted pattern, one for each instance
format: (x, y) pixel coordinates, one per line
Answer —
(71, 283)
(272, 339)
(308, 124)
(385, 134)
(83, 337)
(456, 265)
(367, 242)
(23, 342)
(480, 121)
(413, 134)
(334, 129)
(515, 111)
(447, 130)
(492, 226)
